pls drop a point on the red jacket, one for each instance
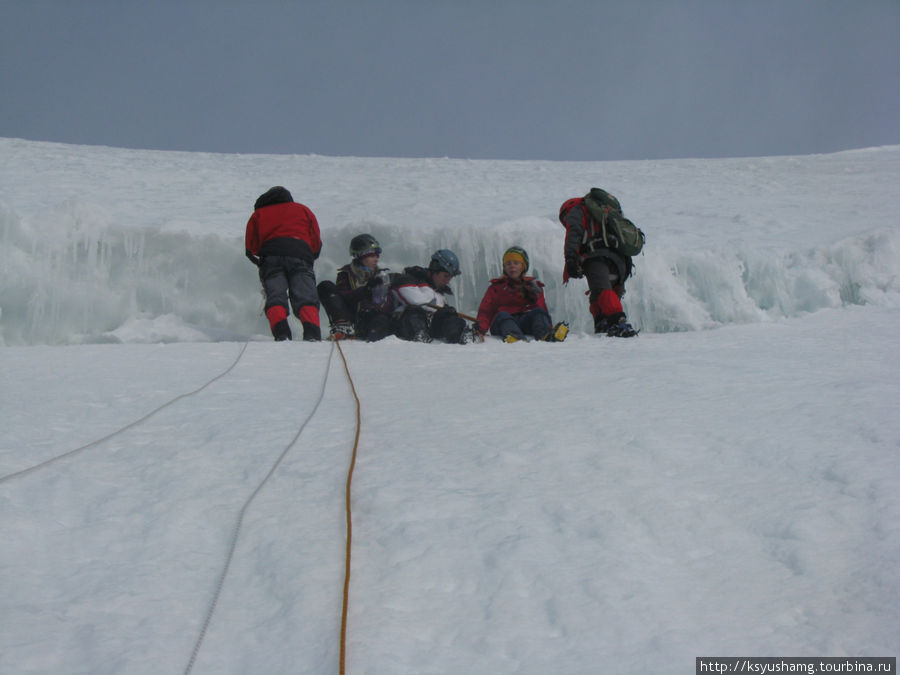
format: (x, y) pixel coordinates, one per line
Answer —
(505, 295)
(288, 229)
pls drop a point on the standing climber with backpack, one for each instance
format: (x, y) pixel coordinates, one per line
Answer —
(599, 245)
(283, 241)
(359, 303)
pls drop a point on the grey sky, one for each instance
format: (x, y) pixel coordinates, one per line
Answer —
(507, 79)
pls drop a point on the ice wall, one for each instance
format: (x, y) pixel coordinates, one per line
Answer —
(113, 245)
(86, 278)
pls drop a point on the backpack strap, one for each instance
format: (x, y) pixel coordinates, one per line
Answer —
(599, 211)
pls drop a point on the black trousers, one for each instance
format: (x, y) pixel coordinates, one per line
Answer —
(370, 324)
(444, 324)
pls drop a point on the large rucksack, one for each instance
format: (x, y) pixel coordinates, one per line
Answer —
(606, 226)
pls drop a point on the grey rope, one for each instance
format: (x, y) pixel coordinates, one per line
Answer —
(126, 427)
(240, 519)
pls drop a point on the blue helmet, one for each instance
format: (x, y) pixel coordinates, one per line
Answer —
(444, 260)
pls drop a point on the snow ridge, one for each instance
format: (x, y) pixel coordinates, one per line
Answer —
(94, 261)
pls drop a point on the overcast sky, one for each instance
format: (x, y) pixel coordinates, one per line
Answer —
(505, 79)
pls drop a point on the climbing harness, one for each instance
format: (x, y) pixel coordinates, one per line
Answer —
(71, 453)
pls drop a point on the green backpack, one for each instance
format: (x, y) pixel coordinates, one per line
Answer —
(613, 229)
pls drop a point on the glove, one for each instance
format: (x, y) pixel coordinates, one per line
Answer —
(374, 282)
(574, 269)
(255, 259)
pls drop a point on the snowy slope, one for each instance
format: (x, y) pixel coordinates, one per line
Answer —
(596, 506)
(102, 244)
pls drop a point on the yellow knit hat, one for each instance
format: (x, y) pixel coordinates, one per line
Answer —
(516, 253)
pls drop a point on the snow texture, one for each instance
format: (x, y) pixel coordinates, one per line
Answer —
(725, 484)
(110, 245)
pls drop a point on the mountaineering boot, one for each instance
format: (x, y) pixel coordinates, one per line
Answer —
(602, 324)
(614, 325)
(472, 334)
(558, 333)
(510, 338)
(622, 329)
(342, 329)
(281, 331)
(421, 335)
(311, 332)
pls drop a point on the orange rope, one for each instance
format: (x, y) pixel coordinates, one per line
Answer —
(349, 519)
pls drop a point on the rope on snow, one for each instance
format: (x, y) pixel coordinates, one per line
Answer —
(70, 453)
(346, 600)
(237, 528)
